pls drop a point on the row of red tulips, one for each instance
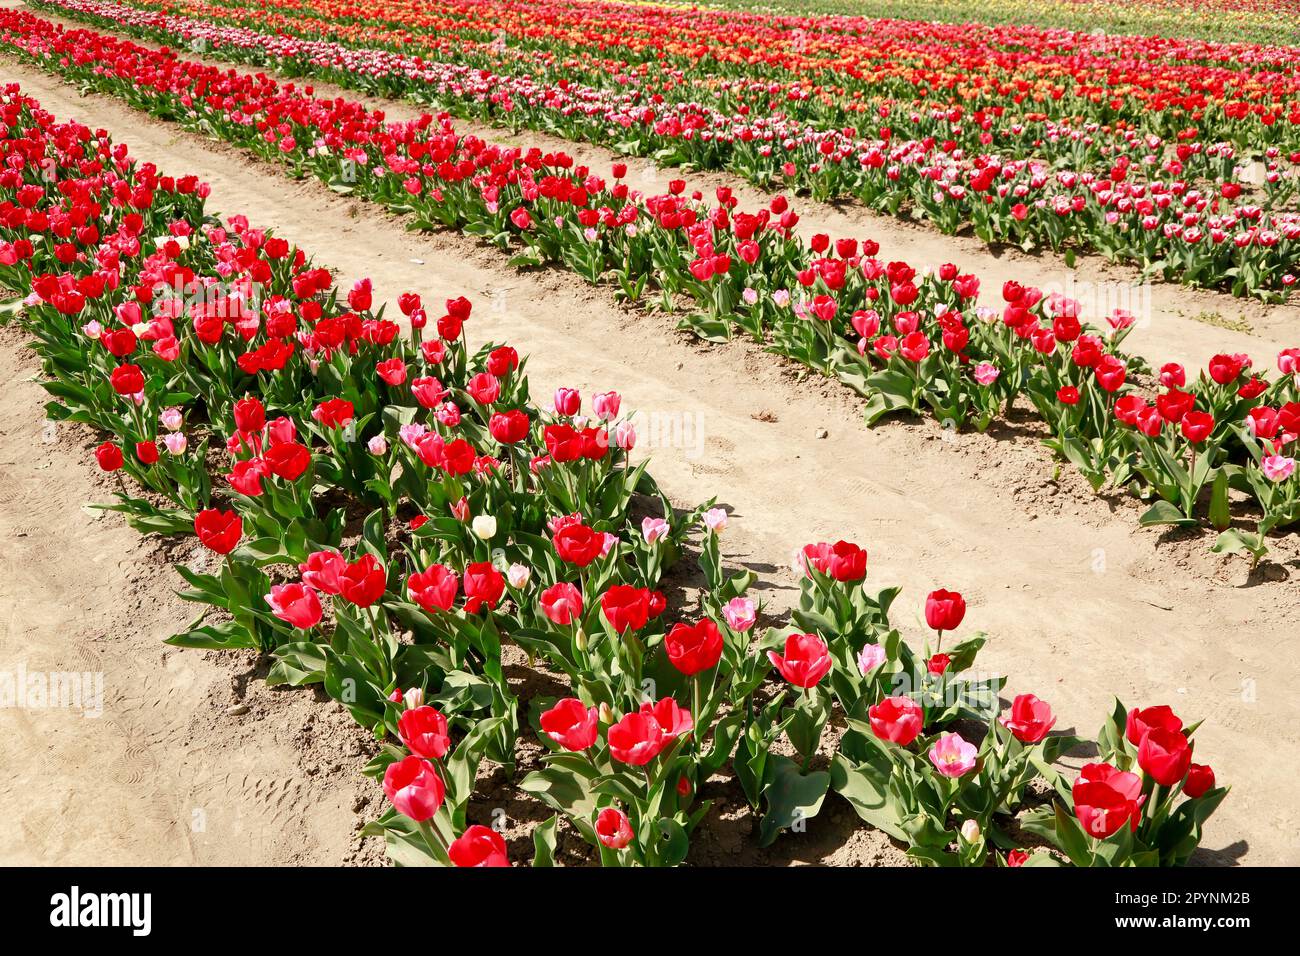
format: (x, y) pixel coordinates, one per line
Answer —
(382, 508)
(1162, 189)
(909, 342)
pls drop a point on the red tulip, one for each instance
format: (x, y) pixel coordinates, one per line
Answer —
(694, 647)
(1029, 719)
(109, 456)
(295, 604)
(451, 324)
(1165, 756)
(509, 427)
(561, 603)
(571, 724)
(249, 414)
(434, 589)
(484, 586)
(1110, 372)
(479, 846)
(944, 610)
(898, 718)
(673, 719)
(119, 342)
(408, 302)
(392, 371)
(502, 360)
(846, 562)
(334, 413)
(658, 603)
(567, 401)
(428, 391)
(1174, 405)
(484, 388)
(626, 608)
(1200, 778)
(288, 460)
(805, 662)
(1226, 368)
(360, 297)
(324, 571)
(147, 452)
(823, 307)
(914, 346)
(218, 531)
(843, 561)
(1105, 799)
(127, 379)
(363, 581)
(1142, 722)
(414, 787)
(1173, 375)
(613, 829)
(424, 732)
(578, 544)
(1196, 426)
(636, 739)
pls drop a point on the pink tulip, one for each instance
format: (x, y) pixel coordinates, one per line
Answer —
(1278, 467)
(716, 519)
(952, 756)
(739, 613)
(871, 657)
(606, 404)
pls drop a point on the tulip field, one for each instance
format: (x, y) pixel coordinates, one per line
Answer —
(965, 133)
(505, 583)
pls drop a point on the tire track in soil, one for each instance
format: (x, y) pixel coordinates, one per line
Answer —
(1079, 601)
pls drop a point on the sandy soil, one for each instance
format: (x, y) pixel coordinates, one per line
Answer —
(1080, 603)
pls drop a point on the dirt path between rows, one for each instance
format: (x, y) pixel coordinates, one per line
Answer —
(1080, 603)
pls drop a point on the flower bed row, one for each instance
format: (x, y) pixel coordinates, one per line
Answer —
(1160, 184)
(1256, 21)
(382, 509)
(1215, 448)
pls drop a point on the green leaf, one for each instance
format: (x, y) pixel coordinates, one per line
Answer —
(544, 842)
(297, 664)
(225, 636)
(565, 791)
(1166, 512)
(1071, 838)
(1220, 517)
(792, 796)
